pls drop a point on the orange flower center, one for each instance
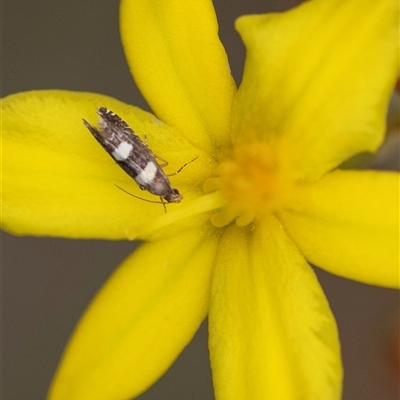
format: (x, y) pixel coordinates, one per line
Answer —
(252, 182)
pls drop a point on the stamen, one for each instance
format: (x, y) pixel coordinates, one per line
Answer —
(246, 218)
(188, 209)
(224, 217)
(212, 185)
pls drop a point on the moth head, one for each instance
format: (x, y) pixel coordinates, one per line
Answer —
(173, 196)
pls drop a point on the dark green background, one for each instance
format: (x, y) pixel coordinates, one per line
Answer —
(47, 283)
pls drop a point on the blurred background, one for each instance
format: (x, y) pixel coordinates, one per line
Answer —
(47, 283)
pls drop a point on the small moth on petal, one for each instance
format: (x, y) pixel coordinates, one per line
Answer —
(134, 156)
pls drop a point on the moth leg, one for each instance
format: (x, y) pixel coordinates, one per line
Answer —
(163, 203)
(181, 168)
(164, 163)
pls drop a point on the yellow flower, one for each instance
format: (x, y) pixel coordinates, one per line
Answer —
(264, 195)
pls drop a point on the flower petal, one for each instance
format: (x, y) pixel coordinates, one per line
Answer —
(348, 224)
(272, 334)
(318, 80)
(140, 321)
(58, 181)
(180, 66)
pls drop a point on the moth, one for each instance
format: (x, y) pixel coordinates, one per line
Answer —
(134, 156)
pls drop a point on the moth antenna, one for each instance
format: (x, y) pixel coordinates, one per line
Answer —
(141, 198)
(181, 168)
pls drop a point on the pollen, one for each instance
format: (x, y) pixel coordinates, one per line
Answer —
(252, 182)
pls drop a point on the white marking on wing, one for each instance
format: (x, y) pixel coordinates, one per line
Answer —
(122, 152)
(147, 175)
